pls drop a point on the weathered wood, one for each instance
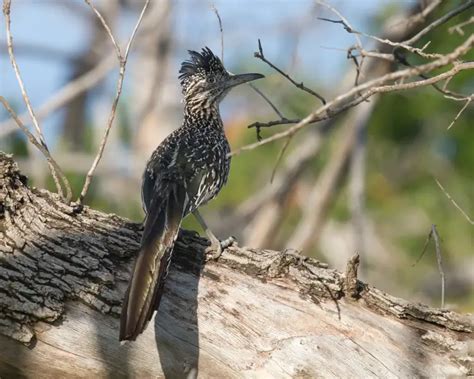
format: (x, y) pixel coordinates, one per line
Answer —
(253, 313)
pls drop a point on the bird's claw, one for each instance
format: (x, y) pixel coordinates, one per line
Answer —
(214, 251)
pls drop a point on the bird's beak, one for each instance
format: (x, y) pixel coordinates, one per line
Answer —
(235, 80)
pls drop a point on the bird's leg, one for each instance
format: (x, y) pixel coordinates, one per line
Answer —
(215, 250)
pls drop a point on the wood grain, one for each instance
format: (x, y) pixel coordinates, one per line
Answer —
(254, 313)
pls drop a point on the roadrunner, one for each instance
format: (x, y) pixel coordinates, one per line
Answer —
(185, 171)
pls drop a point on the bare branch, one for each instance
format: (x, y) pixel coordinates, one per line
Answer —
(466, 216)
(58, 176)
(251, 85)
(461, 111)
(434, 234)
(123, 63)
(38, 144)
(268, 101)
(340, 104)
(221, 29)
(280, 156)
(459, 27)
(439, 260)
(66, 94)
(261, 56)
(107, 29)
(283, 121)
(343, 21)
(421, 16)
(468, 4)
(386, 41)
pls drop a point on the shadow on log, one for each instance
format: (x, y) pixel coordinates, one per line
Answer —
(253, 313)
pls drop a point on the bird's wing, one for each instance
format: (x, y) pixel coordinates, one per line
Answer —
(143, 295)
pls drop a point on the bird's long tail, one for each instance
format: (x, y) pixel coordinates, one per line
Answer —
(151, 267)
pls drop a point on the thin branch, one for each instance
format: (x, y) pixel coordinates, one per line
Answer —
(423, 251)
(280, 156)
(268, 102)
(461, 111)
(357, 65)
(439, 22)
(66, 94)
(58, 176)
(261, 56)
(439, 260)
(221, 29)
(459, 27)
(343, 21)
(399, 57)
(421, 16)
(107, 29)
(123, 63)
(466, 216)
(375, 54)
(433, 234)
(251, 85)
(38, 144)
(374, 86)
(283, 121)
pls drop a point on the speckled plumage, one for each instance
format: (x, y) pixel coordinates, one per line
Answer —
(195, 155)
(187, 169)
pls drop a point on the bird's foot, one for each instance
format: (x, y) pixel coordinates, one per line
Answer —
(214, 251)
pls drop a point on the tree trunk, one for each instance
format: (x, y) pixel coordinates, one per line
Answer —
(252, 313)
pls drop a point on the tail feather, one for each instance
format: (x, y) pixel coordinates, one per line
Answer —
(151, 267)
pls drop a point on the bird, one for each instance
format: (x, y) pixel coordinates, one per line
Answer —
(185, 171)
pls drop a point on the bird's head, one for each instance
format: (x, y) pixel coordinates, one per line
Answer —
(205, 81)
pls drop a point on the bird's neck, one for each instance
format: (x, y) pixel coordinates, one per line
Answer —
(202, 115)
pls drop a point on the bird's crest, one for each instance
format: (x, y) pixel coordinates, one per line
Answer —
(201, 64)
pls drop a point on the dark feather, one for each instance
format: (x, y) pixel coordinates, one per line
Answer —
(204, 62)
(151, 267)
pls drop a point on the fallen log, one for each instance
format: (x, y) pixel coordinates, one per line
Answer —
(252, 313)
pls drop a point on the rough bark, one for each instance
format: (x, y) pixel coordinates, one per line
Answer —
(253, 313)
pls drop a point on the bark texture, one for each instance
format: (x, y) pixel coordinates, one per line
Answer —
(253, 313)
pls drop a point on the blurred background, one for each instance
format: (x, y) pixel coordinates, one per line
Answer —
(363, 182)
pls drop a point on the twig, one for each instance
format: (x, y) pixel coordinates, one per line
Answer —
(358, 65)
(261, 56)
(343, 21)
(38, 144)
(423, 251)
(439, 260)
(221, 29)
(280, 156)
(58, 176)
(283, 121)
(458, 27)
(439, 22)
(399, 57)
(107, 29)
(123, 62)
(434, 234)
(268, 102)
(461, 111)
(348, 27)
(66, 94)
(374, 86)
(466, 216)
(421, 16)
